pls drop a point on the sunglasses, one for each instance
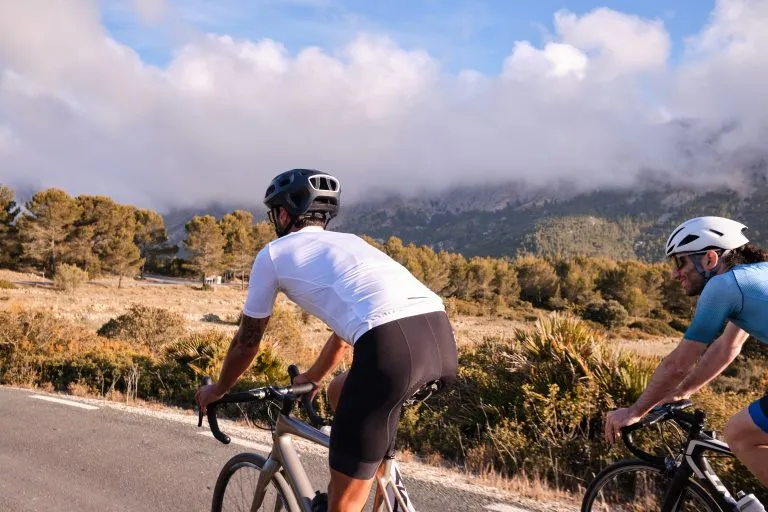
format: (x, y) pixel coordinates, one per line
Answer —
(677, 261)
(271, 216)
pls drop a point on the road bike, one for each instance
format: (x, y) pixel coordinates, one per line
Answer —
(279, 482)
(682, 480)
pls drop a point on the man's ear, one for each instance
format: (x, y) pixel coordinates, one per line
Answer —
(711, 259)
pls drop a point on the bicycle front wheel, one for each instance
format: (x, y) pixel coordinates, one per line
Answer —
(635, 485)
(236, 487)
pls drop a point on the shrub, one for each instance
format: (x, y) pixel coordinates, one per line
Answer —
(608, 313)
(655, 327)
(456, 306)
(212, 318)
(198, 355)
(38, 348)
(678, 325)
(69, 278)
(144, 325)
(538, 280)
(755, 349)
(534, 404)
(6, 285)
(285, 325)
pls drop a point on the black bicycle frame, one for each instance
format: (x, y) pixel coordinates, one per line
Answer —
(693, 464)
(696, 464)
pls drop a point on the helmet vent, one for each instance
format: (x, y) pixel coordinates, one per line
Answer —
(672, 237)
(688, 239)
(324, 183)
(718, 233)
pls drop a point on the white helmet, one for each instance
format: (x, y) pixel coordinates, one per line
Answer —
(704, 233)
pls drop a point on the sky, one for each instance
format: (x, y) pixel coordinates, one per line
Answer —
(177, 103)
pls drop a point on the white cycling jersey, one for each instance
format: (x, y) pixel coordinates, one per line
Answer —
(338, 277)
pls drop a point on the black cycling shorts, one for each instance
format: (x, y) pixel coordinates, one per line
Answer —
(390, 363)
(758, 411)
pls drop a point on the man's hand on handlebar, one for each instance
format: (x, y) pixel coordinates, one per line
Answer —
(303, 378)
(616, 420)
(207, 394)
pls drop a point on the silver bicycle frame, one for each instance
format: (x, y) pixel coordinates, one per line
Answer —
(392, 495)
(283, 464)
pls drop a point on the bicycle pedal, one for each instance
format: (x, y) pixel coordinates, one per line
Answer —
(320, 502)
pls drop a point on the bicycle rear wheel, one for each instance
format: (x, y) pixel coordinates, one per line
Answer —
(236, 487)
(635, 485)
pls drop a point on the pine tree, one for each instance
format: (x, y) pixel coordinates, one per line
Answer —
(537, 278)
(151, 235)
(205, 243)
(10, 247)
(121, 257)
(44, 233)
(240, 244)
(263, 233)
(480, 273)
(103, 238)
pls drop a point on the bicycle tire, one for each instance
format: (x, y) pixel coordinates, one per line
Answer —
(278, 497)
(695, 497)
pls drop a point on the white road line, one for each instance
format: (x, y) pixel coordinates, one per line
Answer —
(243, 442)
(503, 507)
(65, 402)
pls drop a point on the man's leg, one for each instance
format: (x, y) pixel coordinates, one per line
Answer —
(347, 494)
(747, 435)
(349, 488)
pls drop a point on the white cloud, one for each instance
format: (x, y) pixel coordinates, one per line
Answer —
(556, 60)
(81, 111)
(621, 43)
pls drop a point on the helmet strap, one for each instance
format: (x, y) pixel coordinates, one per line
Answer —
(708, 274)
(280, 232)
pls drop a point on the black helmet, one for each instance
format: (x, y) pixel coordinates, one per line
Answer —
(304, 191)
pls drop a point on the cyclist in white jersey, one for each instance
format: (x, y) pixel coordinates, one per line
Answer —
(712, 258)
(400, 334)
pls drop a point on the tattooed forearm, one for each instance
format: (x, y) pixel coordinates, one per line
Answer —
(251, 331)
(242, 351)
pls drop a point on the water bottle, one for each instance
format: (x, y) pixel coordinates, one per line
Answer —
(748, 503)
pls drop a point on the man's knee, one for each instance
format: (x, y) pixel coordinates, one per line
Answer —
(732, 433)
(741, 433)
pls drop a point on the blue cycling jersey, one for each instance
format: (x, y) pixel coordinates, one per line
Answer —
(739, 296)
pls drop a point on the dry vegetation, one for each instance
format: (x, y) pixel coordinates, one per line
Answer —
(100, 300)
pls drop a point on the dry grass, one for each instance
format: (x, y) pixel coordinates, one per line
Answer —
(100, 300)
(653, 346)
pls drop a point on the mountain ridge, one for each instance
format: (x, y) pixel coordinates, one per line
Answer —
(506, 219)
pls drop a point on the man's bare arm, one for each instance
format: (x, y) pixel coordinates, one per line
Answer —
(668, 375)
(330, 356)
(242, 351)
(717, 358)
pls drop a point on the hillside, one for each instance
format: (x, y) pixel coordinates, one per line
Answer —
(503, 220)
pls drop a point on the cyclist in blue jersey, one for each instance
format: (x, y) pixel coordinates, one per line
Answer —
(712, 258)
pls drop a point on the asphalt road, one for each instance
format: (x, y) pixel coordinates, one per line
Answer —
(59, 457)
